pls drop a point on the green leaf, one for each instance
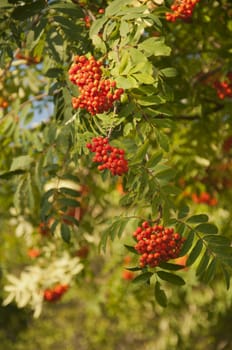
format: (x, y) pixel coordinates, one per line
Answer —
(99, 43)
(126, 83)
(68, 202)
(168, 72)
(133, 268)
(170, 266)
(8, 174)
(217, 240)
(150, 100)
(203, 264)
(207, 229)
(171, 278)
(155, 159)
(143, 278)
(154, 46)
(227, 277)
(163, 140)
(131, 249)
(115, 7)
(140, 154)
(210, 271)
(65, 233)
(187, 244)
(183, 212)
(166, 174)
(72, 10)
(160, 295)
(69, 191)
(224, 251)
(21, 162)
(124, 28)
(196, 219)
(28, 10)
(97, 26)
(144, 78)
(195, 252)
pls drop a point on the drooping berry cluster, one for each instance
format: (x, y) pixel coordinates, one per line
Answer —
(55, 293)
(97, 95)
(110, 157)
(182, 9)
(224, 88)
(205, 198)
(157, 244)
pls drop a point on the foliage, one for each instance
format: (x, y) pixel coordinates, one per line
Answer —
(60, 211)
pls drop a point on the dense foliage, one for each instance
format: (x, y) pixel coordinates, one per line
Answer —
(116, 165)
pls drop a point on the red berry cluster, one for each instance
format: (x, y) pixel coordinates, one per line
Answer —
(182, 9)
(55, 293)
(204, 198)
(224, 88)
(110, 157)
(157, 244)
(97, 95)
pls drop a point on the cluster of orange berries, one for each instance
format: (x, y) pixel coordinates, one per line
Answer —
(224, 88)
(55, 293)
(97, 95)
(204, 198)
(110, 157)
(157, 244)
(182, 9)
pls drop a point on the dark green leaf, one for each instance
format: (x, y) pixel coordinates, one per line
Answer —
(217, 240)
(133, 268)
(183, 212)
(210, 271)
(8, 174)
(160, 295)
(69, 191)
(65, 233)
(68, 202)
(195, 252)
(25, 11)
(171, 278)
(155, 159)
(203, 264)
(143, 278)
(166, 175)
(207, 229)
(196, 219)
(140, 154)
(131, 249)
(221, 250)
(227, 276)
(170, 266)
